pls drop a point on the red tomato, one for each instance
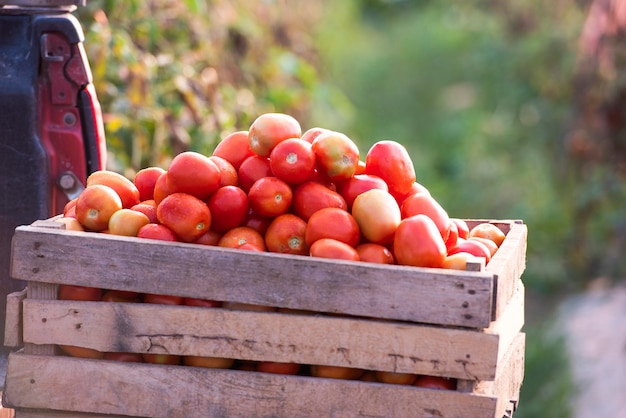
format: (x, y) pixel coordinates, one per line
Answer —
(478, 249)
(71, 292)
(277, 368)
(160, 188)
(453, 235)
(337, 155)
(228, 173)
(425, 204)
(293, 161)
(121, 296)
(333, 223)
(234, 148)
(252, 169)
(286, 234)
(147, 209)
(162, 299)
(157, 231)
(270, 196)
(210, 237)
(186, 215)
(206, 303)
(125, 357)
(241, 235)
(331, 248)
(145, 179)
(161, 358)
(391, 161)
(416, 188)
(193, 173)
(257, 222)
(491, 246)
(418, 243)
(378, 215)
(309, 197)
(374, 253)
(358, 184)
(269, 129)
(229, 208)
(435, 382)
(462, 227)
(312, 133)
(126, 189)
(95, 206)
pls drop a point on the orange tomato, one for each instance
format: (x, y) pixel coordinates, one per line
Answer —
(278, 367)
(186, 215)
(374, 253)
(286, 234)
(488, 231)
(378, 215)
(208, 362)
(336, 372)
(395, 378)
(228, 173)
(95, 206)
(462, 227)
(332, 248)
(71, 224)
(457, 261)
(127, 222)
(310, 134)
(333, 223)
(126, 189)
(161, 190)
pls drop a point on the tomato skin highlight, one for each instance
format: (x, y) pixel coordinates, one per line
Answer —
(193, 173)
(234, 148)
(269, 129)
(332, 248)
(418, 243)
(293, 161)
(337, 155)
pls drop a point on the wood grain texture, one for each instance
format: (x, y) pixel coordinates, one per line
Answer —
(422, 295)
(13, 319)
(71, 384)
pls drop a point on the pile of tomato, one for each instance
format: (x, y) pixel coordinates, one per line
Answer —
(278, 189)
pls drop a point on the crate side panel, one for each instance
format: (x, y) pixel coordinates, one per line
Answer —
(434, 296)
(268, 336)
(170, 392)
(508, 264)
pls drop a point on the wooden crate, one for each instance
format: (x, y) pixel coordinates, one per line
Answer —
(459, 324)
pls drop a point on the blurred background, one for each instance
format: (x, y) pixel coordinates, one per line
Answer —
(510, 110)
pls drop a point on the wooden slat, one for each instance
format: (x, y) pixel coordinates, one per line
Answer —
(305, 339)
(40, 291)
(395, 292)
(13, 319)
(72, 384)
(508, 264)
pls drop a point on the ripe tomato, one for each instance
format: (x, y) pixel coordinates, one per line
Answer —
(453, 235)
(312, 133)
(374, 253)
(252, 169)
(69, 210)
(270, 196)
(333, 223)
(186, 215)
(286, 234)
(162, 299)
(435, 382)
(208, 362)
(478, 249)
(148, 209)
(457, 261)
(161, 189)
(127, 222)
(234, 148)
(395, 378)
(145, 179)
(125, 357)
(71, 292)
(418, 243)
(337, 155)
(336, 372)
(415, 188)
(358, 184)
(71, 224)
(228, 173)
(126, 189)
(277, 368)
(309, 197)
(81, 352)
(425, 204)
(157, 231)
(229, 208)
(210, 237)
(206, 303)
(378, 215)
(332, 248)
(269, 129)
(293, 161)
(257, 222)
(154, 358)
(194, 174)
(391, 161)
(488, 231)
(95, 206)
(462, 227)
(491, 246)
(236, 237)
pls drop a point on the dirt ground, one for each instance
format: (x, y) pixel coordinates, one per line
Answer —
(595, 330)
